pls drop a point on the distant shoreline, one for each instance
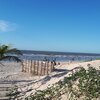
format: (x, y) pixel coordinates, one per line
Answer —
(59, 53)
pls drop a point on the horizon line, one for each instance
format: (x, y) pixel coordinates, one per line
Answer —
(60, 52)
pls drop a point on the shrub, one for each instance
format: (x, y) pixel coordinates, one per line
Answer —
(84, 85)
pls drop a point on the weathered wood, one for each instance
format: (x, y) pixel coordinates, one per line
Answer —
(23, 66)
(31, 66)
(37, 67)
(51, 67)
(41, 68)
(47, 68)
(34, 67)
(27, 67)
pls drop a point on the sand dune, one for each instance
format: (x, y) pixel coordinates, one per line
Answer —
(11, 75)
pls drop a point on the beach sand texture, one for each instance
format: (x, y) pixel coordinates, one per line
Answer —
(11, 76)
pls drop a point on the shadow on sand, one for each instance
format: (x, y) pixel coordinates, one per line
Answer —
(59, 73)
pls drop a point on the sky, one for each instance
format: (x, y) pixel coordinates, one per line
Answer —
(51, 25)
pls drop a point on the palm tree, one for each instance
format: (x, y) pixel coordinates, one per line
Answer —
(8, 53)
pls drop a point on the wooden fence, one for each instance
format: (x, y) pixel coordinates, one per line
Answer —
(37, 67)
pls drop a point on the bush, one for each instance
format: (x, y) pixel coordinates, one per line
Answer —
(84, 85)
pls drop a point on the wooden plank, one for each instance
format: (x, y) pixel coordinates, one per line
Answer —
(34, 67)
(23, 66)
(28, 66)
(31, 66)
(41, 68)
(37, 67)
(44, 68)
(51, 67)
(47, 68)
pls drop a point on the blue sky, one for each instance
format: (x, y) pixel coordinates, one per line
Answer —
(53, 25)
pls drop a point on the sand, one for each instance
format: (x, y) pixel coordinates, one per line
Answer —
(11, 76)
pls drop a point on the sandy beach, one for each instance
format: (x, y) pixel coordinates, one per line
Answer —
(11, 76)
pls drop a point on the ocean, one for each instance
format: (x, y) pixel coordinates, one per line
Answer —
(58, 56)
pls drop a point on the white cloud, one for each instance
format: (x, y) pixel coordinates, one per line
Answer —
(6, 26)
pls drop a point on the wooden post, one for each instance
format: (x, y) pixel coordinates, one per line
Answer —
(47, 67)
(31, 66)
(28, 66)
(34, 66)
(23, 66)
(37, 67)
(51, 67)
(41, 68)
(44, 68)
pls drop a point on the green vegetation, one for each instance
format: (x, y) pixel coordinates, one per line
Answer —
(82, 85)
(8, 53)
(98, 59)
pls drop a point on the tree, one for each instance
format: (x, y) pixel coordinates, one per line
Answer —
(8, 53)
